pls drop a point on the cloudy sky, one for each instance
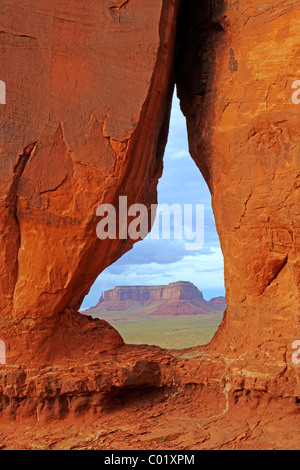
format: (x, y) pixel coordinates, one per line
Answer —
(156, 262)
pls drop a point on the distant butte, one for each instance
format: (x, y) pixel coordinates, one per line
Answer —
(175, 299)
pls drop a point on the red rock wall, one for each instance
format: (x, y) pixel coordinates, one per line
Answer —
(177, 298)
(236, 62)
(89, 87)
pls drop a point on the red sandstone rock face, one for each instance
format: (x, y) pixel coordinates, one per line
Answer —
(236, 65)
(88, 95)
(219, 303)
(176, 299)
(89, 87)
(138, 396)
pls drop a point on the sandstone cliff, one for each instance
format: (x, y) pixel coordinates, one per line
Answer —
(89, 89)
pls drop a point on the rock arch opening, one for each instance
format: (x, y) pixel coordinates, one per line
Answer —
(168, 290)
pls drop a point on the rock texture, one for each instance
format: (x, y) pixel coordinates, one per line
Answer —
(89, 88)
(141, 397)
(176, 299)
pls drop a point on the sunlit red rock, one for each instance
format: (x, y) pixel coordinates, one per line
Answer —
(89, 89)
(236, 64)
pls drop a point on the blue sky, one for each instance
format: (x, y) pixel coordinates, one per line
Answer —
(156, 262)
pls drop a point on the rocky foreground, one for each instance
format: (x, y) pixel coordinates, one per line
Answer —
(176, 299)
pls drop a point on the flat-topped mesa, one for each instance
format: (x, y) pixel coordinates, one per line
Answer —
(182, 290)
(176, 290)
(175, 299)
(88, 95)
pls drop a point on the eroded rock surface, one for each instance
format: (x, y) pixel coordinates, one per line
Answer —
(142, 397)
(175, 299)
(89, 88)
